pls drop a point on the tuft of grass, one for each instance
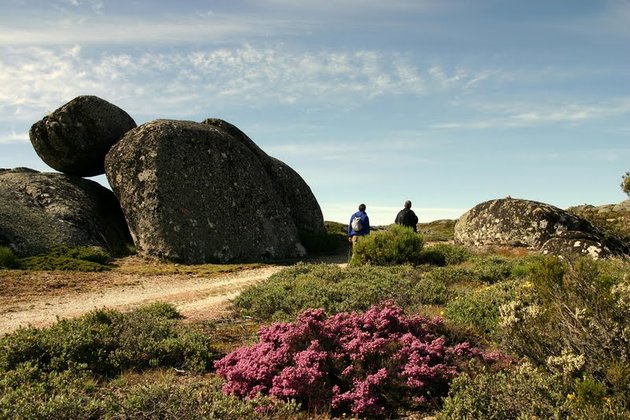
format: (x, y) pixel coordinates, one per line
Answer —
(64, 258)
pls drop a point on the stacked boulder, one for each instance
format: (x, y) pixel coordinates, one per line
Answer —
(183, 191)
(41, 210)
(534, 225)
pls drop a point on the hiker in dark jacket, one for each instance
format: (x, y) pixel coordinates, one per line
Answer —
(407, 217)
(360, 227)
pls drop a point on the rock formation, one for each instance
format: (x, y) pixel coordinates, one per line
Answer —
(296, 195)
(75, 138)
(535, 225)
(202, 192)
(41, 210)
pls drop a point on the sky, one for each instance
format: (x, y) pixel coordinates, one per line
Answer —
(447, 103)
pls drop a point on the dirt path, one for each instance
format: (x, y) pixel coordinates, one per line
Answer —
(40, 298)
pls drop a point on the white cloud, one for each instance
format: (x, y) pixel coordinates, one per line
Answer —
(528, 114)
(35, 80)
(136, 30)
(13, 137)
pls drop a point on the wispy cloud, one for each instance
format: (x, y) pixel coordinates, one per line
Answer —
(527, 115)
(35, 80)
(13, 137)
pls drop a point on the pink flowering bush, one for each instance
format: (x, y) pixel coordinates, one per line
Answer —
(366, 363)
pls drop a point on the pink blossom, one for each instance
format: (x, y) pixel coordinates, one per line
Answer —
(362, 363)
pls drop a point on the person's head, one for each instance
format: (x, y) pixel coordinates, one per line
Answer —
(407, 204)
(361, 207)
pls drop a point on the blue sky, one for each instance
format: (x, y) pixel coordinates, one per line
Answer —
(447, 103)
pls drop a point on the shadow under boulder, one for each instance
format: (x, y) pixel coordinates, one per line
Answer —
(41, 210)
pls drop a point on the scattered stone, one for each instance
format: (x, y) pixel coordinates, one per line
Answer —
(40, 210)
(75, 138)
(198, 192)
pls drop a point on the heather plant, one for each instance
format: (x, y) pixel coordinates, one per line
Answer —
(397, 245)
(283, 295)
(364, 364)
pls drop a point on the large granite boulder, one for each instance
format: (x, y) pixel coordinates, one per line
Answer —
(295, 193)
(41, 210)
(195, 193)
(75, 138)
(535, 225)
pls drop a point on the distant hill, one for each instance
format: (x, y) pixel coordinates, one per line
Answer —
(612, 218)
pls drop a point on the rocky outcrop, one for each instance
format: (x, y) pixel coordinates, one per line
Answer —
(535, 225)
(201, 192)
(41, 210)
(295, 194)
(75, 138)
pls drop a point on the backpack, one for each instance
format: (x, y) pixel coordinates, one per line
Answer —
(357, 224)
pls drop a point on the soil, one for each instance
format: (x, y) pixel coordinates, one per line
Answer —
(39, 298)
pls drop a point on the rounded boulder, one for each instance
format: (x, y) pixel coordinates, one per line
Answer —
(40, 210)
(75, 138)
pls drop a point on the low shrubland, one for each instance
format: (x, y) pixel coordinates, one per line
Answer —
(108, 364)
(547, 339)
(106, 342)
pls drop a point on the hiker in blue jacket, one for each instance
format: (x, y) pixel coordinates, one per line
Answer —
(359, 225)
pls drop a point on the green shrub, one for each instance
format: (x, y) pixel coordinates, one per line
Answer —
(492, 269)
(106, 342)
(7, 258)
(166, 398)
(522, 393)
(397, 245)
(575, 308)
(452, 275)
(480, 308)
(449, 253)
(64, 258)
(302, 286)
(429, 291)
(29, 393)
